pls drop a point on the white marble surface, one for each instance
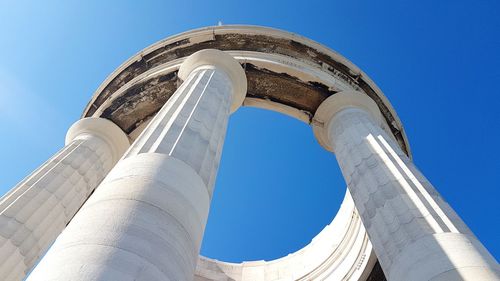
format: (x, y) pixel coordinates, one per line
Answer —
(36, 210)
(146, 220)
(415, 233)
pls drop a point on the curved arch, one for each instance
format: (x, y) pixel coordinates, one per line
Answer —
(286, 73)
(309, 71)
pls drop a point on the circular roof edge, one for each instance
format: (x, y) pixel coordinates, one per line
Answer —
(197, 36)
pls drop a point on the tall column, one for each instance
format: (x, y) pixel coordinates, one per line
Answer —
(146, 220)
(415, 233)
(36, 210)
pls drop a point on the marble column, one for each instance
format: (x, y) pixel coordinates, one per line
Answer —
(37, 210)
(146, 220)
(415, 233)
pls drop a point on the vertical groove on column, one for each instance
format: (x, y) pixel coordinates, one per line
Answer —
(147, 218)
(418, 186)
(159, 126)
(191, 127)
(415, 234)
(40, 206)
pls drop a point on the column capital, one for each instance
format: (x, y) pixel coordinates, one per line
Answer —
(336, 103)
(224, 61)
(102, 128)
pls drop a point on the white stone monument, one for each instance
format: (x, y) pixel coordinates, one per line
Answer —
(149, 144)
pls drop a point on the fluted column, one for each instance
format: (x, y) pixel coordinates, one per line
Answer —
(415, 233)
(36, 210)
(146, 220)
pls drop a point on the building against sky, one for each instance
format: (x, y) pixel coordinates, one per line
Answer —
(468, 32)
(128, 197)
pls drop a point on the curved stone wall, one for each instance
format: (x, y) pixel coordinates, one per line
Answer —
(286, 73)
(284, 70)
(341, 251)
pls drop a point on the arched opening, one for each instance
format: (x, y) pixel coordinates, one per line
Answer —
(277, 188)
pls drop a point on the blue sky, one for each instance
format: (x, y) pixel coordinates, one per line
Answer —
(436, 61)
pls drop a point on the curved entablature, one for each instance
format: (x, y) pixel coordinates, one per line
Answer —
(158, 194)
(286, 73)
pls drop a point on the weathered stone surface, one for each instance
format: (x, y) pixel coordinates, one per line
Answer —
(37, 210)
(415, 233)
(263, 83)
(146, 220)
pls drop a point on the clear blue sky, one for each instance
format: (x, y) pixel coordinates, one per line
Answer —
(437, 62)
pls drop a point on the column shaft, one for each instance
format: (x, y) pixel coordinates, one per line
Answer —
(415, 233)
(146, 220)
(35, 211)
